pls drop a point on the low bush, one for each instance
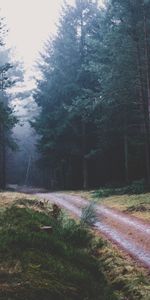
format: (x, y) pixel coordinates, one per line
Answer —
(76, 234)
(137, 187)
(88, 216)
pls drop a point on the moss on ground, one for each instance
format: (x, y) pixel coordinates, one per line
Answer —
(41, 265)
(131, 282)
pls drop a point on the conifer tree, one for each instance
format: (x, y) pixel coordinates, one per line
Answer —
(94, 95)
(7, 119)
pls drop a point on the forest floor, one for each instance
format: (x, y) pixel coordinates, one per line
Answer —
(47, 256)
(125, 270)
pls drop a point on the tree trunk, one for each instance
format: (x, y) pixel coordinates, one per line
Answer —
(62, 175)
(3, 144)
(2, 158)
(85, 174)
(147, 63)
(125, 141)
(4, 161)
(126, 157)
(84, 159)
(69, 174)
(147, 123)
(145, 108)
(28, 171)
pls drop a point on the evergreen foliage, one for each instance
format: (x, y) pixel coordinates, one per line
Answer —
(7, 118)
(88, 216)
(94, 96)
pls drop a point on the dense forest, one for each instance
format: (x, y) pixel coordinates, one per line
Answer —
(74, 150)
(94, 96)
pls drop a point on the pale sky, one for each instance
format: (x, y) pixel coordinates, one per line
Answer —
(30, 22)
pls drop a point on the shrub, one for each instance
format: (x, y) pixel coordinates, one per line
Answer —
(136, 187)
(76, 234)
(88, 216)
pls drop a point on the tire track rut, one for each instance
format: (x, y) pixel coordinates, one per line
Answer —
(130, 234)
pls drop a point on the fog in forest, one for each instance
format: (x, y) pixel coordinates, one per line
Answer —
(22, 163)
(22, 158)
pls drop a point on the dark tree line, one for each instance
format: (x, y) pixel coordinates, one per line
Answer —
(7, 118)
(94, 96)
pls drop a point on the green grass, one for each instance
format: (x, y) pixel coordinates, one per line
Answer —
(133, 199)
(137, 187)
(137, 205)
(36, 265)
(130, 281)
(69, 263)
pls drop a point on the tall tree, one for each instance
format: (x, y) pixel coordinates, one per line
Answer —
(7, 119)
(66, 93)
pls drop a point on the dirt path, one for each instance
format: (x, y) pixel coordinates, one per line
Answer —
(127, 232)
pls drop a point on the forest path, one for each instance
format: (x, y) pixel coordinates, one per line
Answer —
(129, 233)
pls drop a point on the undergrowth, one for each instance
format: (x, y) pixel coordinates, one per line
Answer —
(88, 215)
(41, 265)
(137, 187)
(126, 278)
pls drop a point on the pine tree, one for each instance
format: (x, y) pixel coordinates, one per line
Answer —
(67, 91)
(94, 95)
(7, 119)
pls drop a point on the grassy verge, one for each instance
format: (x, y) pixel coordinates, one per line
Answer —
(67, 263)
(136, 204)
(35, 264)
(126, 278)
(9, 198)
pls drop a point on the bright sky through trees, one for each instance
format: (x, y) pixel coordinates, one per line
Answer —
(30, 22)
